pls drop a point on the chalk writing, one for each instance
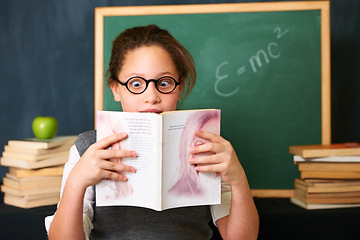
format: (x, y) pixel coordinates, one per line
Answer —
(256, 61)
(221, 78)
(280, 34)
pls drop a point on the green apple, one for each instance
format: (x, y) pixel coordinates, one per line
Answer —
(44, 127)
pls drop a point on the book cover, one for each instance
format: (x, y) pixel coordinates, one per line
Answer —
(38, 151)
(47, 171)
(329, 166)
(164, 178)
(329, 186)
(18, 163)
(340, 159)
(313, 206)
(42, 143)
(31, 202)
(336, 149)
(35, 157)
(31, 182)
(31, 192)
(330, 174)
(324, 198)
(328, 195)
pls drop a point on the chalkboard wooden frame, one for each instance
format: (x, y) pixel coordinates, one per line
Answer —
(323, 6)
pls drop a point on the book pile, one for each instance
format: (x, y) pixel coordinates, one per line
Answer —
(329, 175)
(35, 170)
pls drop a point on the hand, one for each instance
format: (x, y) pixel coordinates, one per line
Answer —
(224, 160)
(94, 165)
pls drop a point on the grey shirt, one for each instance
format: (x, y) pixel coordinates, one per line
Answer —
(118, 222)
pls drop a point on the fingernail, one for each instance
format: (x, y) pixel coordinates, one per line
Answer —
(192, 149)
(132, 169)
(134, 154)
(124, 178)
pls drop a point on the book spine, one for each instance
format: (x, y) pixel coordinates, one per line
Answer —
(160, 184)
(330, 175)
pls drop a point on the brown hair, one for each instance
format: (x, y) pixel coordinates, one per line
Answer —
(150, 35)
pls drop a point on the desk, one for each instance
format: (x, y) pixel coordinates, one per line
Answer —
(279, 219)
(17, 223)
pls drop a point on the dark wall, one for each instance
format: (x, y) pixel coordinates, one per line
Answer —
(47, 65)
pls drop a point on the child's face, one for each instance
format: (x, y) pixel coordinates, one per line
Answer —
(150, 62)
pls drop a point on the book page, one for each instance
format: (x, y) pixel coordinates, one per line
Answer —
(143, 186)
(182, 184)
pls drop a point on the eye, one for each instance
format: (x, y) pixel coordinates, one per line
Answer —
(166, 83)
(136, 83)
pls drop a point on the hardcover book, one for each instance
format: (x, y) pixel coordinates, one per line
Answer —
(49, 171)
(335, 149)
(331, 159)
(42, 143)
(164, 178)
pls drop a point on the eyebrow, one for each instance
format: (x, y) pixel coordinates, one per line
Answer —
(158, 75)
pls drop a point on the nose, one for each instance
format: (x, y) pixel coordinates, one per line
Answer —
(151, 94)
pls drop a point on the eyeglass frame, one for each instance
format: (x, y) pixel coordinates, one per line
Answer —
(147, 81)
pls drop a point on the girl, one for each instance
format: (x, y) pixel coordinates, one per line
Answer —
(149, 71)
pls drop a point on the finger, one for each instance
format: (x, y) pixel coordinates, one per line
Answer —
(117, 167)
(206, 147)
(116, 153)
(212, 137)
(105, 142)
(208, 168)
(114, 175)
(208, 159)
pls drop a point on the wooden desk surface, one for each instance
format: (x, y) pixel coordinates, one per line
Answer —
(279, 219)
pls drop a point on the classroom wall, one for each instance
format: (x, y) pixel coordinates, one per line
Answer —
(47, 64)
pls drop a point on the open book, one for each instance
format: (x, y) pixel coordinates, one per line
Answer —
(164, 178)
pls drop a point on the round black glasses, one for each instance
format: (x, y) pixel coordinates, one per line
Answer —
(138, 85)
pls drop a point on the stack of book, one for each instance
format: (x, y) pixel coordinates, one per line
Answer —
(329, 175)
(35, 170)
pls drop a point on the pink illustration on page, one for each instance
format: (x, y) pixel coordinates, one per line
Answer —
(189, 182)
(114, 189)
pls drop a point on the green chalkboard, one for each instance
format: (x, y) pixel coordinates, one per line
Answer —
(263, 69)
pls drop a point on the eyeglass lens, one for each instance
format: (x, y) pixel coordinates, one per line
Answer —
(163, 85)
